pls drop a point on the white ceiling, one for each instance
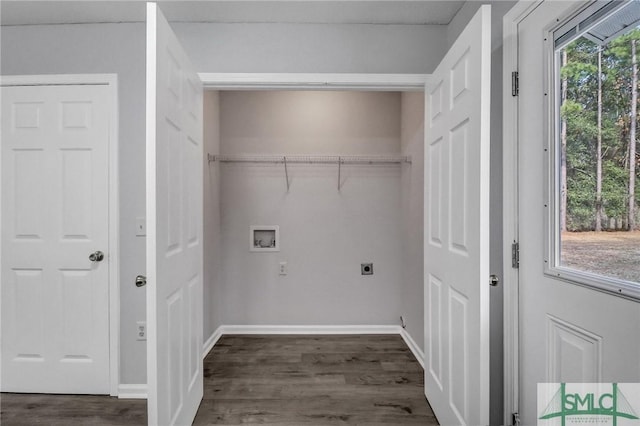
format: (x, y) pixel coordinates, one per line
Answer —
(416, 12)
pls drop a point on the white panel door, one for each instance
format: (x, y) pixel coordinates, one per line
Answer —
(174, 227)
(55, 301)
(456, 247)
(568, 333)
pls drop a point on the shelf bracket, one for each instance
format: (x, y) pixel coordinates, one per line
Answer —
(286, 172)
(339, 171)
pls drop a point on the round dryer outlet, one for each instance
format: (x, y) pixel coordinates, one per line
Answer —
(366, 268)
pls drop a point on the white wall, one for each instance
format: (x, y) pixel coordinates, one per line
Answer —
(324, 233)
(103, 48)
(412, 183)
(213, 299)
(314, 48)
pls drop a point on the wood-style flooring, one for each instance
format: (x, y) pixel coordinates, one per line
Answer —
(278, 380)
(313, 380)
(70, 410)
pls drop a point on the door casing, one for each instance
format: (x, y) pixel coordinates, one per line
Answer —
(313, 81)
(110, 80)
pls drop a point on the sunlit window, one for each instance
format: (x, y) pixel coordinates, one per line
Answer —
(597, 214)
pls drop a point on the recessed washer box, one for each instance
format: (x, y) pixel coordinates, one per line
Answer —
(264, 238)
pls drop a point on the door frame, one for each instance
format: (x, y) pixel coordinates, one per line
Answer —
(314, 81)
(309, 81)
(110, 80)
(510, 211)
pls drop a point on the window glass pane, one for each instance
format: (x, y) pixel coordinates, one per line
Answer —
(597, 159)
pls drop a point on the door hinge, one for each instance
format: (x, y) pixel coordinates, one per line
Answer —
(515, 255)
(515, 83)
(515, 419)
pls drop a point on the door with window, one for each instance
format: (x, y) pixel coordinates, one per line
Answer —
(579, 278)
(55, 246)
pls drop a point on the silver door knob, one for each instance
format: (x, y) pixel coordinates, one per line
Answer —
(96, 256)
(494, 280)
(141, 281)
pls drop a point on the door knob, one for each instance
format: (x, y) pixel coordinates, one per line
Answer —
(141, 281)
(494, 280)
(96, 256)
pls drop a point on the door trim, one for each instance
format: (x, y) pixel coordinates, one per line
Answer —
(110, 80)
(510, 213)
(312, 81)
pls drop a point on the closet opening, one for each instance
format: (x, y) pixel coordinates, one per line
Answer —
(339, 175)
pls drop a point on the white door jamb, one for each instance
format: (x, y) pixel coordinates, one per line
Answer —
(510, 205)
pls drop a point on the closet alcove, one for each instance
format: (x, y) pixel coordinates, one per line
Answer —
(340, 173)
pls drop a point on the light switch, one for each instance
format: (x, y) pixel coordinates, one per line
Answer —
(141, 226)
(283, 268)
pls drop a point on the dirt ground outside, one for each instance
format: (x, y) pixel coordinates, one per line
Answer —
(615, 254)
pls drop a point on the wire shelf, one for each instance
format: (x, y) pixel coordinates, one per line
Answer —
(311, 159)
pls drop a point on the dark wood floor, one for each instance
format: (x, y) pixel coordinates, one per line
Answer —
(284, 380)
(314, 380)
(70, 410)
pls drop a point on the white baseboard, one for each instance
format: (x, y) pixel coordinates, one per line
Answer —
(211, 342)
(132, 391)
(315, 329)
(139, 391)
(417, 352)
(309, 329)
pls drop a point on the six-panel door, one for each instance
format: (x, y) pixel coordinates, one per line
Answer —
(55, 301)
(174, 225)
(456, 245)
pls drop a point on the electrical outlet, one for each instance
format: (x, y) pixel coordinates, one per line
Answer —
(141, 226)
(366, 268)
(283, 268)
(141, 330)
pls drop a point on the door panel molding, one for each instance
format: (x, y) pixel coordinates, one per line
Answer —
(110, 80)
(456, 257)
(571, 348)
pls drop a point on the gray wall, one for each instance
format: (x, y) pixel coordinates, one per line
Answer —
(412, 210)
(213, 297)
(314, 48)
(103, 48)
(498, 9)
(324, 233)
